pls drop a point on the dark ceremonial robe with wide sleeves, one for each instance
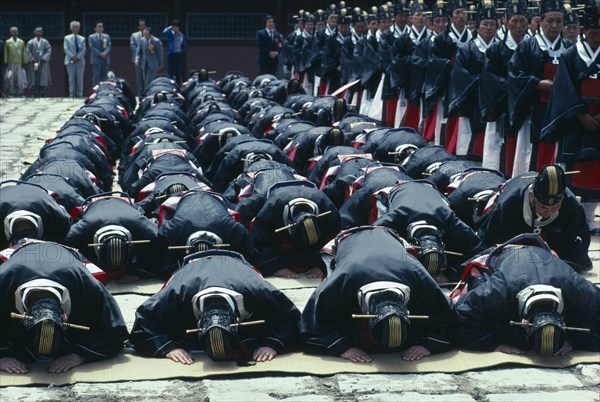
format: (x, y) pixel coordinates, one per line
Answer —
(483, 314)
(414, 201)
(200, 210)
(147, 260)
(355, 210)
(525, 71)
(567, 234)
(576, 91)
(161, 322)
(327, 326)
(34, 198)
(91, 304)
(272, 251)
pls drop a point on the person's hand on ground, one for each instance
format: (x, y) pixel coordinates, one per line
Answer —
(12, 365)
(415, 352)
(264, 354)
(356, 355)
(65, 363)
(180, 356)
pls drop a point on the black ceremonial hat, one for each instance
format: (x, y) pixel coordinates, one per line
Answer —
(549, 185)
(591, 17)
(548, 6)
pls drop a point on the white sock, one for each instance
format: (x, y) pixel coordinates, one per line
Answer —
(590, 213)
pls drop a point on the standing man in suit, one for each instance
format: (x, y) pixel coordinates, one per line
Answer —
(74, 46)
(150, 57)
(134, 44)
(269, 43)
(175, 49)
(100, 46)
(15, 58)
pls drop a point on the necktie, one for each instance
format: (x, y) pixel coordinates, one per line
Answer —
(271, 35)
(76, 44)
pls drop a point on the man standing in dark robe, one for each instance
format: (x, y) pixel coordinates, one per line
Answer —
(357, 31)
(381, 286)
(531, 74)
(331, 61)
(53, 290)
(500, 140)
(463, 91)
(368, 55)
(443, 54)
(573, 117)
(302, 49)
(407, 114)
(418, 71)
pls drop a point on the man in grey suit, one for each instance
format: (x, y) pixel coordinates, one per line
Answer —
(100, 46)
(150, 56)
(74, 46)
(134, 44)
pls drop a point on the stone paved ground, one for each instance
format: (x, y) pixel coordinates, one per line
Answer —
(24, 124)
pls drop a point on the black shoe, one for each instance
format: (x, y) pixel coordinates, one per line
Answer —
(595, 232)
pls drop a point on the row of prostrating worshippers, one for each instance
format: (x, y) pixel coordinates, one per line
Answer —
(252, 142)
(476, 78)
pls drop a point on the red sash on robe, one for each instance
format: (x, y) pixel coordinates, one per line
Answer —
(411, 116)
(510, 142)
(389, 111)
(429, 125)
(549, 74)
(323, 88)
(477, 142)
(451, 134)
(588, 179)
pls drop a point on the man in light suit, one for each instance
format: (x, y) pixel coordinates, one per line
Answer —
(269, 43)
(74, 46)
(149, 56)
(100, 46)
(134, 44)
